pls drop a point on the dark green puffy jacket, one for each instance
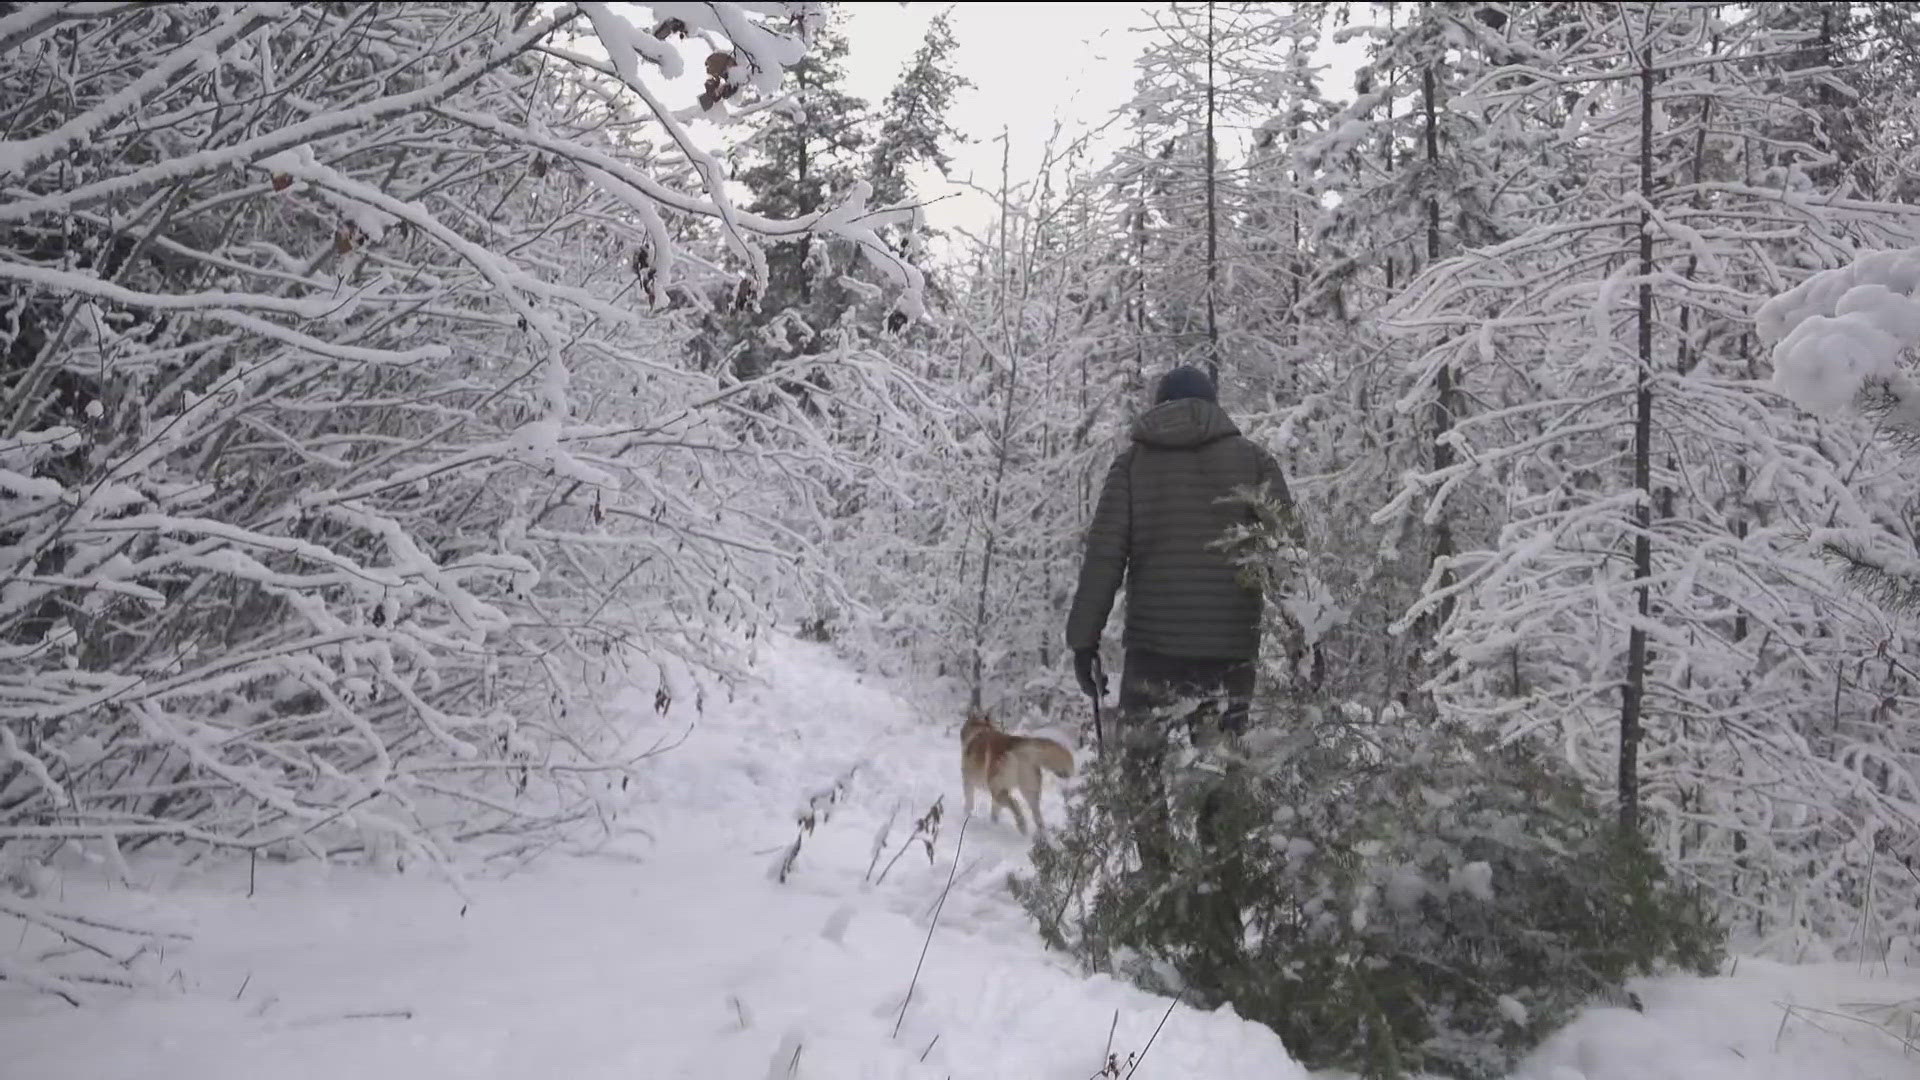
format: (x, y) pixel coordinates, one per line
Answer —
(1160, 513)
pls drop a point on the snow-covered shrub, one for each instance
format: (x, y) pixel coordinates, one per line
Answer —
(346, 442)
(1842, 342)
(1838, 341)
(1388, 891)
(1840, 334)
(1398, 897)
(1626, 578)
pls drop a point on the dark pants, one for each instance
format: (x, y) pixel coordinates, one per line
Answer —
(1159, 696)
(1211, 696)
(1210, 699)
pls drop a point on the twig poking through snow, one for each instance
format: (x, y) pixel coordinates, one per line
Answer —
(785, 1063)
(880, 839)
(958, 843)
(1893, 1012)
(788, 857)
(389, 1014)
(1156, 1033)
(927, 828)
(818, 808)
(978, 861)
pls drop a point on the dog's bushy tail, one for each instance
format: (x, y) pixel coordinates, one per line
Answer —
(1052, 756)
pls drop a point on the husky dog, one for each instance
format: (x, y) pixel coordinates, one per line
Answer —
(1001, 763)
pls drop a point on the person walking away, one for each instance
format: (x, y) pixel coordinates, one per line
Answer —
(1193, 630)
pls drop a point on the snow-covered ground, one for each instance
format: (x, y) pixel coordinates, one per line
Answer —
(671, 952)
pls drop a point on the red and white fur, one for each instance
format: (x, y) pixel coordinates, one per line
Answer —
(999, 763)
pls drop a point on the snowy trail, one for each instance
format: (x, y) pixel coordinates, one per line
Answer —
(822, 962)
(674, 956)
(671, 952)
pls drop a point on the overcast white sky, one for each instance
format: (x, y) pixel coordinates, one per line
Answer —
(1033, 65)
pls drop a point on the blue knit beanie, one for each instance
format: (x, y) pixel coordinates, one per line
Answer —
(1184, 382)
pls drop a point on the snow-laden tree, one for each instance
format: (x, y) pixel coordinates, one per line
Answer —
(347, 442)
(829, 327)
(913, 127)
(794, 161)
(1210, 75)
(1640, 597)
(1358, 199)
(967, 558)
(1841, 342)
(1838, 340)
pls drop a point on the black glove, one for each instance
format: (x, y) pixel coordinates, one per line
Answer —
(1083, 660)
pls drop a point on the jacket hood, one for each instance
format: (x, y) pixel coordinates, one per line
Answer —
(1183, 423)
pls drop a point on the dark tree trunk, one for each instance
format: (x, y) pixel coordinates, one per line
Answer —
(1634, 690)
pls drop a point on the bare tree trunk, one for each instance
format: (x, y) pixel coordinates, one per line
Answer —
(1688, 356)
(1006, 253)
(1140, 272)
(1446, 394)
(1634, 690)
(1296, 262)
(1010, 380)
(1393, 87)
(806, 241)
(1213, 227)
